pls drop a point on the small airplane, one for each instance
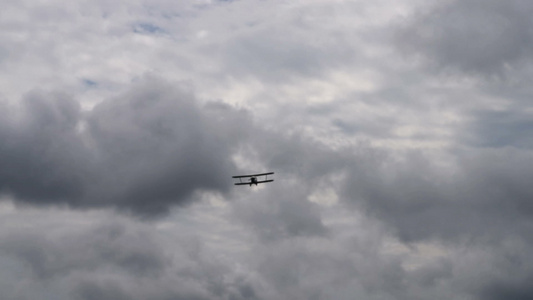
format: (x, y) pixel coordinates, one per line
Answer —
(253, 178)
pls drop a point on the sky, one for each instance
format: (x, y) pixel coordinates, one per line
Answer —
(400, 134)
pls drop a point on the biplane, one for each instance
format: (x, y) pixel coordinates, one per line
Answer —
(253, 179)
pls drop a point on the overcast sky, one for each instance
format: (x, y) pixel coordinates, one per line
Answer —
(400, 134)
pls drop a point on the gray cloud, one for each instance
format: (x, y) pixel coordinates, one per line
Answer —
(42, 156)
(481, 194)
(423, 193)
(482, 37)
(480, 199)
(511, 127)
(117, 259)
(282, 213)
(144, 151)
(111, 245)
(158, 147)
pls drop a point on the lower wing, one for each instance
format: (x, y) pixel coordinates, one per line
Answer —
(248, 183)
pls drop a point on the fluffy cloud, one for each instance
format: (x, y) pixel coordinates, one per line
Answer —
(142, 151)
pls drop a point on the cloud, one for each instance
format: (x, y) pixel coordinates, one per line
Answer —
(109, 245)
(393, 180)
(144, 151)
(42, 159)
(158, 148)
(282, 213)
(479, 195)
(479, 37)
(116, 259)
(510, 127)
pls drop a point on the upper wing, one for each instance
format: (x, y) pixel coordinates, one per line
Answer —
(253, 175)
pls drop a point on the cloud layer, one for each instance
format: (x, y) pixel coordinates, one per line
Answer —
(398, 131)
(143, 151)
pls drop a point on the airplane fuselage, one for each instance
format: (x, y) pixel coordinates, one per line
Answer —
(253, 180)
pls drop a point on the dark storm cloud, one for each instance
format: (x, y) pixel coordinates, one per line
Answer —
(475, 36)
(155, 147)
(476, 271)
(501, 289)
(42, 157)
(143, 151)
